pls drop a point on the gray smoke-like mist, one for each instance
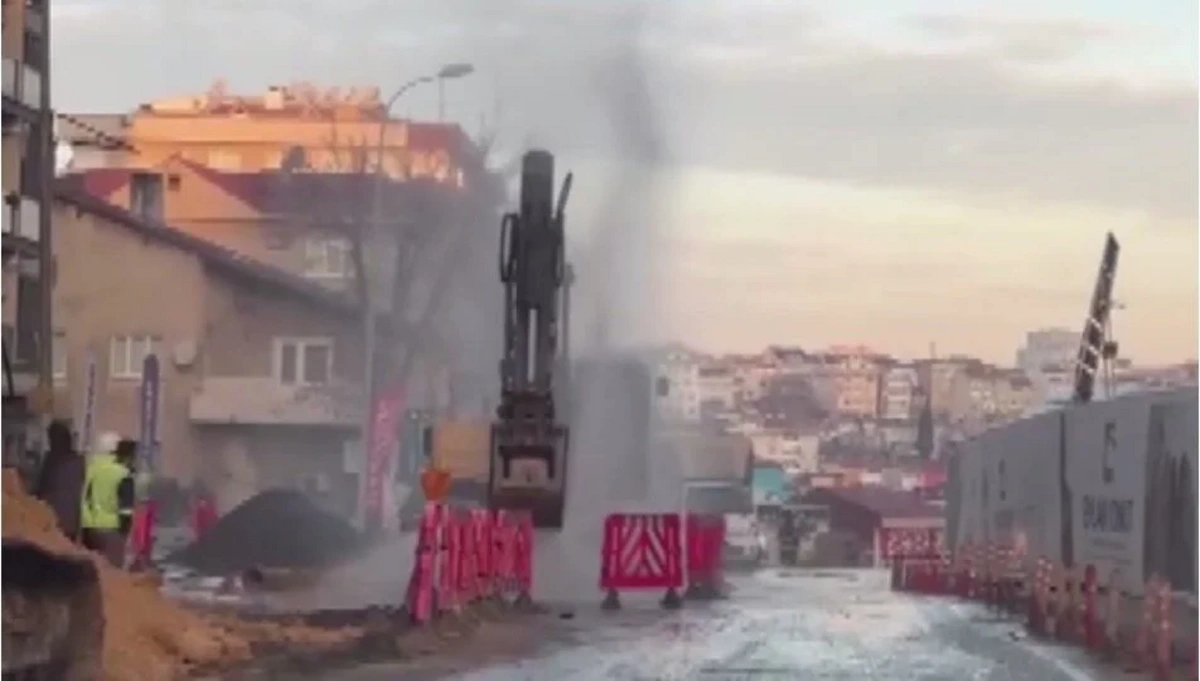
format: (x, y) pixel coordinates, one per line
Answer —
(620, 287)
(619, 297)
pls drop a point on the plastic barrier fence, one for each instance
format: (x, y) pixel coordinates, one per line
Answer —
(641, 551)
(705, 547)
(141, 534)
(466, 555)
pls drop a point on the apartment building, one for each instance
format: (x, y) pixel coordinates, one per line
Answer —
(677, 394)
(297, 126)
(855, 374)
(260, 370)
(27, 173)
(717, 389)
(898, 393)
(797, 451)
(1050, 350)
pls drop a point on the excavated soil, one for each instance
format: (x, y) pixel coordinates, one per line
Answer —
(147, 637)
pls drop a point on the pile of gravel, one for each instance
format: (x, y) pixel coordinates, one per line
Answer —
(274, 529)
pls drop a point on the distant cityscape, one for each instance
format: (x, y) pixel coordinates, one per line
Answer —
(852, 411)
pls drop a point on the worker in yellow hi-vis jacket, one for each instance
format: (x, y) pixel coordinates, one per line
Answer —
(106, 511)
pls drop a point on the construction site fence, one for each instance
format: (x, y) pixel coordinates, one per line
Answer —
(648, 552)
(1110, 484)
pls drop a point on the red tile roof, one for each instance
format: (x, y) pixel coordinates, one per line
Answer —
(220, 259)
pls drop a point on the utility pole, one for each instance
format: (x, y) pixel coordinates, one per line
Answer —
(376, 301)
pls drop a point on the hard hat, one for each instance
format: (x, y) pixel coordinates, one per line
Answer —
(107, 442)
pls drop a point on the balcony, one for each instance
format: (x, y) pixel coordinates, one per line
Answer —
(23, 220)
(23, 84)
(261, 401)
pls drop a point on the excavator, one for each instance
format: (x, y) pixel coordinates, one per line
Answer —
(529, 438)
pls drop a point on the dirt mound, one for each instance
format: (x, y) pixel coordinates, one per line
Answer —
(274, 529)
(147, 637)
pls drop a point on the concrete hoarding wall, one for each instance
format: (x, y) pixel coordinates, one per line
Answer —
(1111, 484)
(1106, 487)
(1029, 517)
(1007, 487)
(969, 524)
(1170, 518)
(953, 499)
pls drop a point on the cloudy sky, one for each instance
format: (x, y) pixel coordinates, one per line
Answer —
(887, 172)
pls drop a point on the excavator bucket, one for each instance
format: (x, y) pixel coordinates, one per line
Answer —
(528, 470)
(53, 617)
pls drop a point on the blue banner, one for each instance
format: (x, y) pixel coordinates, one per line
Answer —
(148, 442)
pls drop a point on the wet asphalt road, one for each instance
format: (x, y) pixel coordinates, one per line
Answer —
(813, 625)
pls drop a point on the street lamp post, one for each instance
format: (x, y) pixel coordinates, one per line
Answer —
(377, 298)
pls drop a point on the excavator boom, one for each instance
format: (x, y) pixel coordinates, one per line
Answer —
(529, 440)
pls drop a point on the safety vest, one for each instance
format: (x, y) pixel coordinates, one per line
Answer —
(100, 505)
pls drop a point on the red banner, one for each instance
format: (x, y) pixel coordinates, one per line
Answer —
(384, 437)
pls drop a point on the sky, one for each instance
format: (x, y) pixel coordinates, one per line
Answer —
(881, 172)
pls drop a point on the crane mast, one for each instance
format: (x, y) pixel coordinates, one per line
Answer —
(529, 440)
(1096, 347)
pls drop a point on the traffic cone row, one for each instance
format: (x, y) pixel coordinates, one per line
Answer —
(1068, 605)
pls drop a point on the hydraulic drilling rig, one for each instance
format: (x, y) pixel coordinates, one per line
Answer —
(529, 439)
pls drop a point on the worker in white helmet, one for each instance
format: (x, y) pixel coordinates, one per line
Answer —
(106, 443)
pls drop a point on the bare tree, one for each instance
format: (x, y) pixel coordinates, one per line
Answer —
(429, 232)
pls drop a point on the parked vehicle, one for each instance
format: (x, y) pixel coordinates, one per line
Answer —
(745, 542)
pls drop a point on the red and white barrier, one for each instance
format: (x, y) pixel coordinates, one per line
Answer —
(141, 534)
(464, 556)
(705, 543)
(641, 551)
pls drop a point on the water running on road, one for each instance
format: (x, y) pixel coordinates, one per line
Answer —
(836, 626)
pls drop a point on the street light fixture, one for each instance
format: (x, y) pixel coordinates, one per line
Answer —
(458, 70)
(376, 298)
(449, 72)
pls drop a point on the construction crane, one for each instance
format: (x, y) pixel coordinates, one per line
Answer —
(1097, 350)
(529, 440)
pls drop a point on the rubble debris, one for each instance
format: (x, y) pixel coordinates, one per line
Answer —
(274, 529)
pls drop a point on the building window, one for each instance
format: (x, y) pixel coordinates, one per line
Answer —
(223, 159)
(303, 361)
(328, 258)
(128, 353)
(59, 358)
(146, 196)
